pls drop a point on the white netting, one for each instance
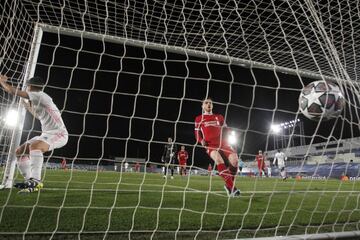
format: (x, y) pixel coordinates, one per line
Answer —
(127, 75)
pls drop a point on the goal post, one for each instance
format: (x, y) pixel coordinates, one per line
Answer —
(10, 167)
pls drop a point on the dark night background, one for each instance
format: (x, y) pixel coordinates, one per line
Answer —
(118, 100)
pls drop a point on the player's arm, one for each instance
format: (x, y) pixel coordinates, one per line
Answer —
(175, 149)
(10, 89)
(224, 126)
(198, 134)
(27, 106)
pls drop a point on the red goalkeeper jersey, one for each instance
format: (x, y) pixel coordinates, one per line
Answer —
(183, 156)
(209, 128)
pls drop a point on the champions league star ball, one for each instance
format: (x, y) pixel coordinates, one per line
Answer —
(321, 100)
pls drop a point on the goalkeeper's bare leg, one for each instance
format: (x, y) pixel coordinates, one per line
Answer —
(23, 163)
(36, 149)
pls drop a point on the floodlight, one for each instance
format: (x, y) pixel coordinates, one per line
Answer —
(11, 118)
(275, 128)
(232, 139)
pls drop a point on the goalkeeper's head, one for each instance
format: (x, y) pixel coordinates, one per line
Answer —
(35, 83)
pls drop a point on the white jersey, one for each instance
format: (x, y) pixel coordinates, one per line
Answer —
(45, 110)
(280, 156)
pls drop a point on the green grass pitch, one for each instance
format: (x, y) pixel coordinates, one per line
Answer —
(113, 205)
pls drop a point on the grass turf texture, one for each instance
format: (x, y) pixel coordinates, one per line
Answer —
(140, 206)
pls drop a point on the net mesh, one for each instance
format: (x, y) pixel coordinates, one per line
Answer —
(126, 76)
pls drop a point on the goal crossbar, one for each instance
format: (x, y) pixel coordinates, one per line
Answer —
(190, 52)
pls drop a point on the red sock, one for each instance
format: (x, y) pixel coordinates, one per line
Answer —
(233, 171)
(226, 175)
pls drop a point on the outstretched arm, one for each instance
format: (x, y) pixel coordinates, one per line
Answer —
(10, 89)
(27, 106)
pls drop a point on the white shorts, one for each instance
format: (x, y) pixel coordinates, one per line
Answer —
(55, 139)
(280, 166)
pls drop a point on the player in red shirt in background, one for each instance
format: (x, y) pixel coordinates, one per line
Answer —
(63, 164)
(137, 167)
(210, 169)
(182, 157)
(209, 129)
(260, 159)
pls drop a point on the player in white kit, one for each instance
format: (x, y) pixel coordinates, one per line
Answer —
(54, 134)
(279, 161)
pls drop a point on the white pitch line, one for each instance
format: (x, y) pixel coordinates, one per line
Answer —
(196, 191)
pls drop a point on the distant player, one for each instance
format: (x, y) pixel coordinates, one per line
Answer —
(241, 166)
(137, 167)
(126, 166)
(210, 169)
(54, 134)
(209, 132)
(63, 164)
(260, 159)
(168, 157)
(182, 157)
(279, 161)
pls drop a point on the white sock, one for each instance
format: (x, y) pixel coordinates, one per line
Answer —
(24, 166)
(37, 159)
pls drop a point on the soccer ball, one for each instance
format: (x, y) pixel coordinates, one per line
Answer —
(321, 100)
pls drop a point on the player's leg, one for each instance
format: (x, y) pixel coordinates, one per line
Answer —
(264, 170)
(282, 172)
(37, 148)
(259, 169)
(224, 172)
(181, 170)
(166, 166)
(233, 168)
(233, 163)
(39, 145)
(23, 163)
(172, 171)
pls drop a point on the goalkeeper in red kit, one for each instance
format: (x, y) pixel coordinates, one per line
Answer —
(209, 132)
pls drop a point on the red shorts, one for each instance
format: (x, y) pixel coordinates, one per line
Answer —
(182, 163)
(261, 165)
(224, 148)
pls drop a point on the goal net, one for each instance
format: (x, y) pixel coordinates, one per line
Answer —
(127, 76)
